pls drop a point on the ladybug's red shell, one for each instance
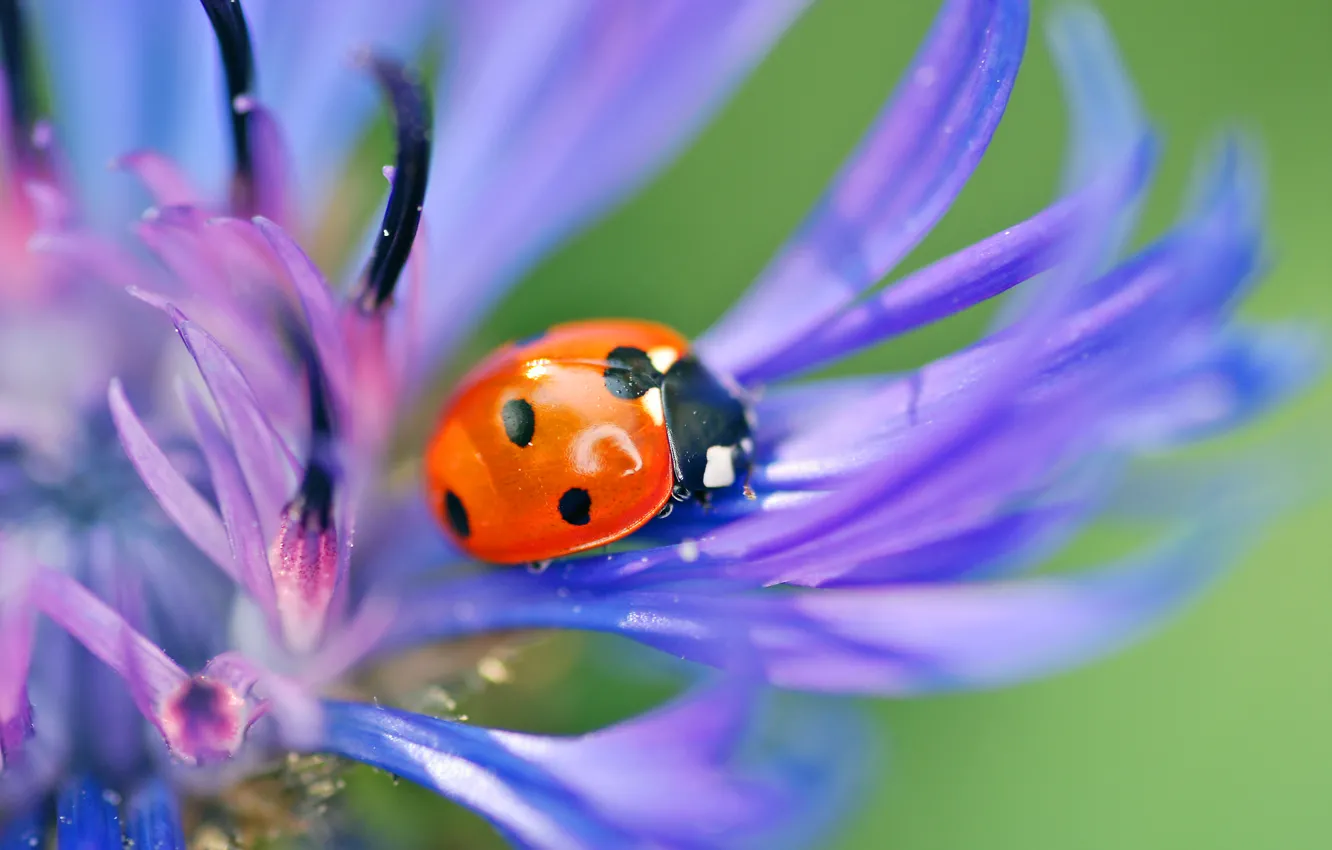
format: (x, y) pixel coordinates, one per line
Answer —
(556, 445)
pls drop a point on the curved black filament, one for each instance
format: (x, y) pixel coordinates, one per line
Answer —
(233, 42)
(14, 46)
(314, 498)
(402, 218)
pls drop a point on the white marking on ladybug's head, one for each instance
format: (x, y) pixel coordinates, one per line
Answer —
(720, 468)
(663, 357)
(747, 445)
(652, 404)
(589, 461)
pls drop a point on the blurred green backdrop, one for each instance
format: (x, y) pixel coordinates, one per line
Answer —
(1215, 734)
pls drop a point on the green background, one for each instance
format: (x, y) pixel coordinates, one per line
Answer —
(1214, 734)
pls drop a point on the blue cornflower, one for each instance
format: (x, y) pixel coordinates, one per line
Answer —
(896, 510)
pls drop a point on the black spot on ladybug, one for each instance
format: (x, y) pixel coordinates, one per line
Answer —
(576, 506)
(457, 514)
(519, 421)
(629, 373)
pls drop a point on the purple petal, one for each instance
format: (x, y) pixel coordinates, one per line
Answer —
(17, 625)
(164, 180)
(269, 465)
(321, 306)
(244, 532)
(592, 791)
(553, 111)
(896, 641)
(1221, 385)
(906, 173)
(1079, 373)
(104, 633)
(273, 178)
(191, 513)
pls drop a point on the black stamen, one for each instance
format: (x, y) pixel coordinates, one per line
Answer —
(402, 218)
(233, 42)
(314, 498)
(14, 46)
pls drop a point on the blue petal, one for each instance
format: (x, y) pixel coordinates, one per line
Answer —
(87, 816)
(951, 285)
(24, 832)
(676, 777)
(1107, 118)
(909, 168)
(154, 819)
(1232, 380)
(555, 109)
(894, 641)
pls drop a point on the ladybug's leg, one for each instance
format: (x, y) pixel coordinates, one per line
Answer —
(744, 459)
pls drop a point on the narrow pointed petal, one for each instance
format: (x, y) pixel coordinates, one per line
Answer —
(1107, 117)
(17, 626)
(244, 533)
(105, 634)
(892, 641)
(163, 179)
(88, 816)
(907, 171)
(154, 819)
(555, 110)
(1070, 378)
(592, 791)
(193, 515)
(267, 462)
(320, 304)
(944, 288)
(1225, 385)
(273, 178)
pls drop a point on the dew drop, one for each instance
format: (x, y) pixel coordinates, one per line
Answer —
(494, 670)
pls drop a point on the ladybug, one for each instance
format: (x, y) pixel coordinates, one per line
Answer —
(578, 437)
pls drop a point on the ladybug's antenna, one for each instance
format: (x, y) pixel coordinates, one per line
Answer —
(402, 217)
